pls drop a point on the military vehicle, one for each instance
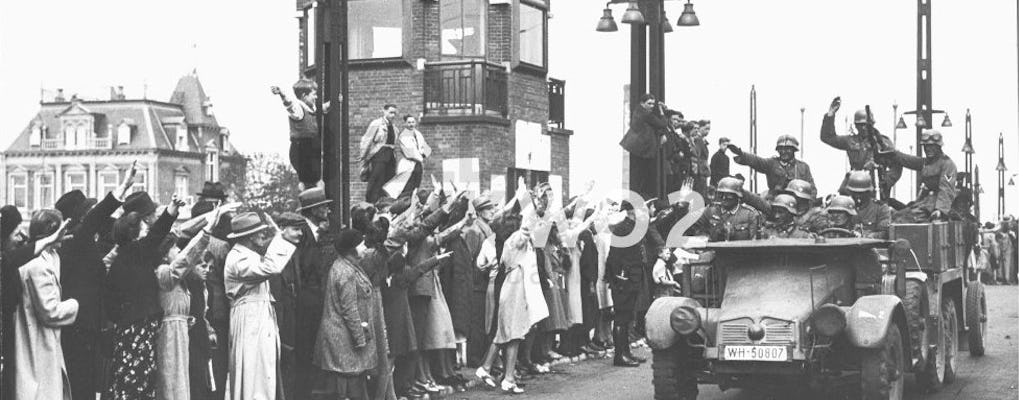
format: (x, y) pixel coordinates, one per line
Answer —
(821, 314)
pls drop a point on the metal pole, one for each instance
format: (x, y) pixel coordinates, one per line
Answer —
(894, 107)
(924, 71)
(753, 135)
(802, 109)
(653, 14)
(335, 132)
(637, 78)
(1001, 169)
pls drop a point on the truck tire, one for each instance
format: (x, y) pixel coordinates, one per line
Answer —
(882, 370)
(976, 314)
(916, 305)
(937, 367)
(670, 379)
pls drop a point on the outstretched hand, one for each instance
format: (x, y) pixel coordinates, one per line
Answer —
(175, 205)
(54, 238)
(834, 107)
(129, 180)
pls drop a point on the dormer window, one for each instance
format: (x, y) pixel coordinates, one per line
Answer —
(124, 133)
(35, 138)
(181, 139)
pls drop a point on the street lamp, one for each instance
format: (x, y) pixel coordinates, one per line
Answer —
(648, 25)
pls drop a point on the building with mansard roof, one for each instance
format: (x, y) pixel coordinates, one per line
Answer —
(89, 144)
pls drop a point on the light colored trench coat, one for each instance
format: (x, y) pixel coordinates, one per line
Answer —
(40, 373)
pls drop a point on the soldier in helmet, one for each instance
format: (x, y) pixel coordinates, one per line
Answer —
(729, 219)
(872, 215)
(780, 169)
(841, 218)
(937, 173)
(783, 222)
(809, 217)
(862, 148)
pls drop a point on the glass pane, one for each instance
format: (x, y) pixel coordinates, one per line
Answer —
(462, 27)
(20, 197)
(531, 35)
(311, 44)
(374, 28)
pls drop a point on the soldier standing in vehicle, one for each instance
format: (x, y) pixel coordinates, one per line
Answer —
(938, 178)
(729, 219)
(862, 148)
(779, 170)
(872, 215)
(809, 217)
(783, 223)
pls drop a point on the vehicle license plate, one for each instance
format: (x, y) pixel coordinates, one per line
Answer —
(755, 353)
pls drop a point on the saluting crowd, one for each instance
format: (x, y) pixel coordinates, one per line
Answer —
(121, 296)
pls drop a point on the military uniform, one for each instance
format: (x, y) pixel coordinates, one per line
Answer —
(873, 218)
(938, 175)
(814, 220)
(777, 172)
(720, 224)
(859, 149)
(788, 231)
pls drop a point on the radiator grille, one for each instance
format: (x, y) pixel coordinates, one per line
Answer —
(775, 333)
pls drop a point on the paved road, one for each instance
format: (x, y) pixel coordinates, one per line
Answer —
(994, 376)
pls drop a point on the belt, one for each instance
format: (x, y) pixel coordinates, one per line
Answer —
(255, 299)
(183, 318)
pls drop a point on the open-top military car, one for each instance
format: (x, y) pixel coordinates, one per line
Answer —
(820, 314)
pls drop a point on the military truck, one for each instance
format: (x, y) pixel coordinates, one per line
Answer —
(821, 314)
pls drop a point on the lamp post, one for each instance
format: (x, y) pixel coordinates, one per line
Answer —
(333, 40)
(1001, 170)
(753, 135)
(802, 109)
(647, 20)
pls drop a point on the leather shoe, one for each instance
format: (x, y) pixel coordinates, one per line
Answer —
(623, 361)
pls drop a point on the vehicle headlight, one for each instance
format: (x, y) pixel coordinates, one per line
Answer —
(828, 320)
(685, 320)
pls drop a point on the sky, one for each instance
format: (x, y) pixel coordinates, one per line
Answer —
(797, 53)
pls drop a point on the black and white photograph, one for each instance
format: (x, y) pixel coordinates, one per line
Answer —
(496, 199)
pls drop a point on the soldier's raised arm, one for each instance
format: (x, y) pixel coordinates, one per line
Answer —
(828, 128)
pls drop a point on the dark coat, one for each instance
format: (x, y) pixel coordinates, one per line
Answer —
(645, 131)
(777, 173)
(82, 274)
(301, 301)
(132, 288)
(719, 166)
(457, 282)
(345, 342)
(423, 245)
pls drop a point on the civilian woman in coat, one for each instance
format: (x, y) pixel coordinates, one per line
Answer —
(133, 297)
(173, 344)
(39, 368)
(346, 346)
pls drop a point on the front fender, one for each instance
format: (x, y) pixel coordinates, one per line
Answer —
(868, 319)
(660, 335)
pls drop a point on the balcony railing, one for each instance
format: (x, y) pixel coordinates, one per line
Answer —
(91, 143)
(53, 144)
(556, 103)
(99, 143)
(465, 88)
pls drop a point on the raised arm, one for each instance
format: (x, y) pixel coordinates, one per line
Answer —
(829, 136)
(271, 263)
(907, 161)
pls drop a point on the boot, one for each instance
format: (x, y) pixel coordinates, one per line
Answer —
(629, 351)
(621, 338)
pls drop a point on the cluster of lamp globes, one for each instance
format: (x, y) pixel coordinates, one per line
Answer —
(634, 16)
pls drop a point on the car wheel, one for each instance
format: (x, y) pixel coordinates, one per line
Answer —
(915, 302)
(671, 382)
(936, 367)
(881, 370)
(976, 314)
(951, 338)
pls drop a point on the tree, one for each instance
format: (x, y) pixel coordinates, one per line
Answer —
(271, 185)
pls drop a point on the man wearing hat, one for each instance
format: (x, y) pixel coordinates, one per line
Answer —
(212, 191)
(474, 236)
(937, 173)
(779, 170)
(303, 293)
(258, 253)
(284, 287)
(83, 274)
(783, 224)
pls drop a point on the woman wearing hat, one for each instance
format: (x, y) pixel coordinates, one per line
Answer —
(346, 346)
(133, 297)
(39, 368)
(257, 254)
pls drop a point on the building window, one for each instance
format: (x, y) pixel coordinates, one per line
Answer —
(44, 187)
(124, 133)
(19, 190)
(463, 29)
(36, 138)
(141, 179)
(69, 136)
(212, 165)
(531, 34)
(181, 186)
(82, 135)
(309, 22)
(374, 29)
(75, 180)
(108, 182)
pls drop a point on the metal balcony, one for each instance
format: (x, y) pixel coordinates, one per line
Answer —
(471, 87)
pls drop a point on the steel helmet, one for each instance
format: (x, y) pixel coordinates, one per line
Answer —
(801, 189)
(730, 185)
(843, 204)
(785, 201)
(931, 136)
(859, 182)
(787, 141)
(860, 117)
